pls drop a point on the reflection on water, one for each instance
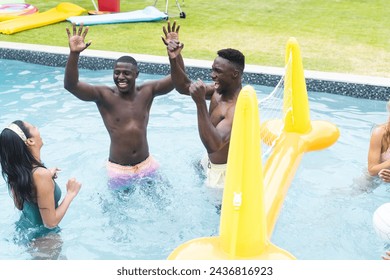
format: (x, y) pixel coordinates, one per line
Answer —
(48, 247)
(366, 183)
(40, 242)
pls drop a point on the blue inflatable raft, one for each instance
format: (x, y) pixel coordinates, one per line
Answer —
(150, 13)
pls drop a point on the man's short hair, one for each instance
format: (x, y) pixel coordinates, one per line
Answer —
(127, 59)
(234, 56)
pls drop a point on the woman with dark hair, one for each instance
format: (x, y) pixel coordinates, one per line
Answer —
(30, 183)
(379, 152)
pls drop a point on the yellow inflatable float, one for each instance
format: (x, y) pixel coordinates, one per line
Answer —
(253, 197)
(54, 15)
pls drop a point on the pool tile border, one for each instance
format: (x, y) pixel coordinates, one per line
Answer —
(366, 87)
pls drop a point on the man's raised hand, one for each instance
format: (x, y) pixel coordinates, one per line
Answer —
(77, 37)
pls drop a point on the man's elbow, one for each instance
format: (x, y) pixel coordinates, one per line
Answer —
(68, 85)
(183, 89)
(182, 92)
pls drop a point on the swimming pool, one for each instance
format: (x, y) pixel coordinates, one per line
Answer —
(326, 215)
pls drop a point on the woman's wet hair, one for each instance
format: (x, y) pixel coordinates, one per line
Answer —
(17, 163)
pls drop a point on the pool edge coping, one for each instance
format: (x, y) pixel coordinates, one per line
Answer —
(347, 84)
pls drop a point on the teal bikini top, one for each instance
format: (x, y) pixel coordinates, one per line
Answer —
(31, 211)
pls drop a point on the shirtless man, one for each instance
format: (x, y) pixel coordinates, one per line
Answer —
(124, 109)
(214, 123)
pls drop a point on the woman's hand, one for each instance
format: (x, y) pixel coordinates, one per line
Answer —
(73, 187)
(386, 256)
(384, 174)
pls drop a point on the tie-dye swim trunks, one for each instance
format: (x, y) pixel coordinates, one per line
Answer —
(121, 176)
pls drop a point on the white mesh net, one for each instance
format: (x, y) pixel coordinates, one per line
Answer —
(272, 110)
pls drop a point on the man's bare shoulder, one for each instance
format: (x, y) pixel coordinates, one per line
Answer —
(146, 89)
(106, 94)
(147, 85)
(107, 91)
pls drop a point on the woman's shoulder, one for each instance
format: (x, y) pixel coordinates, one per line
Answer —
(378, 129)
(43, 181)
(41, 173)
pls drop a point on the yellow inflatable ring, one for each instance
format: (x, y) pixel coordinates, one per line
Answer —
(10, 11)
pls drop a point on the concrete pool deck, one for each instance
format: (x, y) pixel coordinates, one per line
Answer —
(368, 87)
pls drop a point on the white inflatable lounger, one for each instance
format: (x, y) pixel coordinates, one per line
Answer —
(150, 13)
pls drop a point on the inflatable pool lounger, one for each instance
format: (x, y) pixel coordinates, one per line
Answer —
(150, 13)
(54, 15)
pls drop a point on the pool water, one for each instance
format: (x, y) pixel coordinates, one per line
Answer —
(327, 213)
